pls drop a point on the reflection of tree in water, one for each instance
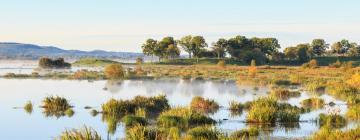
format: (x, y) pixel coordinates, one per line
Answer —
(194, 88)
(166, 86)
(113, 86)
(223, 87)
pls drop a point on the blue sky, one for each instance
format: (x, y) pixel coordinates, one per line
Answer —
(123, 25)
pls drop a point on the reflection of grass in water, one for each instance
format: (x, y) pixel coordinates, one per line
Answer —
(332, 120)
(85, 133)
(204, 133)
(313, 103)
(69, 112)
(236, 108)
(283, 94)
(204, 105)
(28, 107)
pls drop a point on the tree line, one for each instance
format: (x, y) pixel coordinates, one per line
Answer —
(246, 49)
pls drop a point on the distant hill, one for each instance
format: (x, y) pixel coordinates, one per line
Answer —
(30, 51)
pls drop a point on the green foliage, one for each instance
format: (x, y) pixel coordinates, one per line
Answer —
(85, 133)
(123, 107)
(332, 120)
(203, 133)
(131, 120)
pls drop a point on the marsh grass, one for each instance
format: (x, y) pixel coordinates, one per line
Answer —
(183, 118)
(131, 120)
(283, 94)
(236, 108)
(353, 112)
(313, 103)
(250, 133)
(332, 120)
(139, 132)
(28, 107)
(69, 112)
(327, 133)
(85, 133)
(203, 133)
(55, 106)
(154, 105)
(204, 105)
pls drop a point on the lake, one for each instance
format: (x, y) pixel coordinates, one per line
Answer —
(17, 124)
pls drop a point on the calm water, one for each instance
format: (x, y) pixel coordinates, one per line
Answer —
(17, 124)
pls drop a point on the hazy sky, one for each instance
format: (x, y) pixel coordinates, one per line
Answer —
(123, 25)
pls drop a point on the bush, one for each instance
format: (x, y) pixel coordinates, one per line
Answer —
(332, 120)
(204, 105)
(262, 110)
(85, 133)
(312, 64)
(130, 120)
(114, 71)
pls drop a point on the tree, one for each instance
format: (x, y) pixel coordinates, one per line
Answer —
(291, 53)
(319, 47)
(186, 44)
(236, 45)
(199, 46)
(49, 63)
(114, 71)
(149, 47)
(337, 48)
(354, 50)
(341, 47)
(219, 47)
(172, 51)
(302, 52)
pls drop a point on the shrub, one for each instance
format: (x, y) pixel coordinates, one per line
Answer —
(114, 71)
(204, 105)
(245, 133)
(332, 120)
(313, 103)
(262, 110)
(130, 120)
(312, 64)
(252, 69)
(85, 133)
(337, 64)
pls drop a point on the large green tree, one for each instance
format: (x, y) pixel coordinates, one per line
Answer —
(149, 46)
(219, 47)
(318, 47)
(186, 44)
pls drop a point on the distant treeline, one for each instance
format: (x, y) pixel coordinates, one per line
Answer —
(241, 48)
(45, 62)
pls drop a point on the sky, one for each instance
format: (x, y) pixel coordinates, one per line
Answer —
(123, 25)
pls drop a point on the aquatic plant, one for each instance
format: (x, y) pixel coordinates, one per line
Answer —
(203, 105)
(327, 133)
(141, 112)
(139, 132)
(69, 112)
(236, 108)
(154, 104)
(28, 107)
(332, 120)
(353, 112)
(262, 110)
(183, 118)
(245, 133)
(203, 133)
(283, 94)
(313, 103)
(131, 120)
(85, 133)
(55, 106)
